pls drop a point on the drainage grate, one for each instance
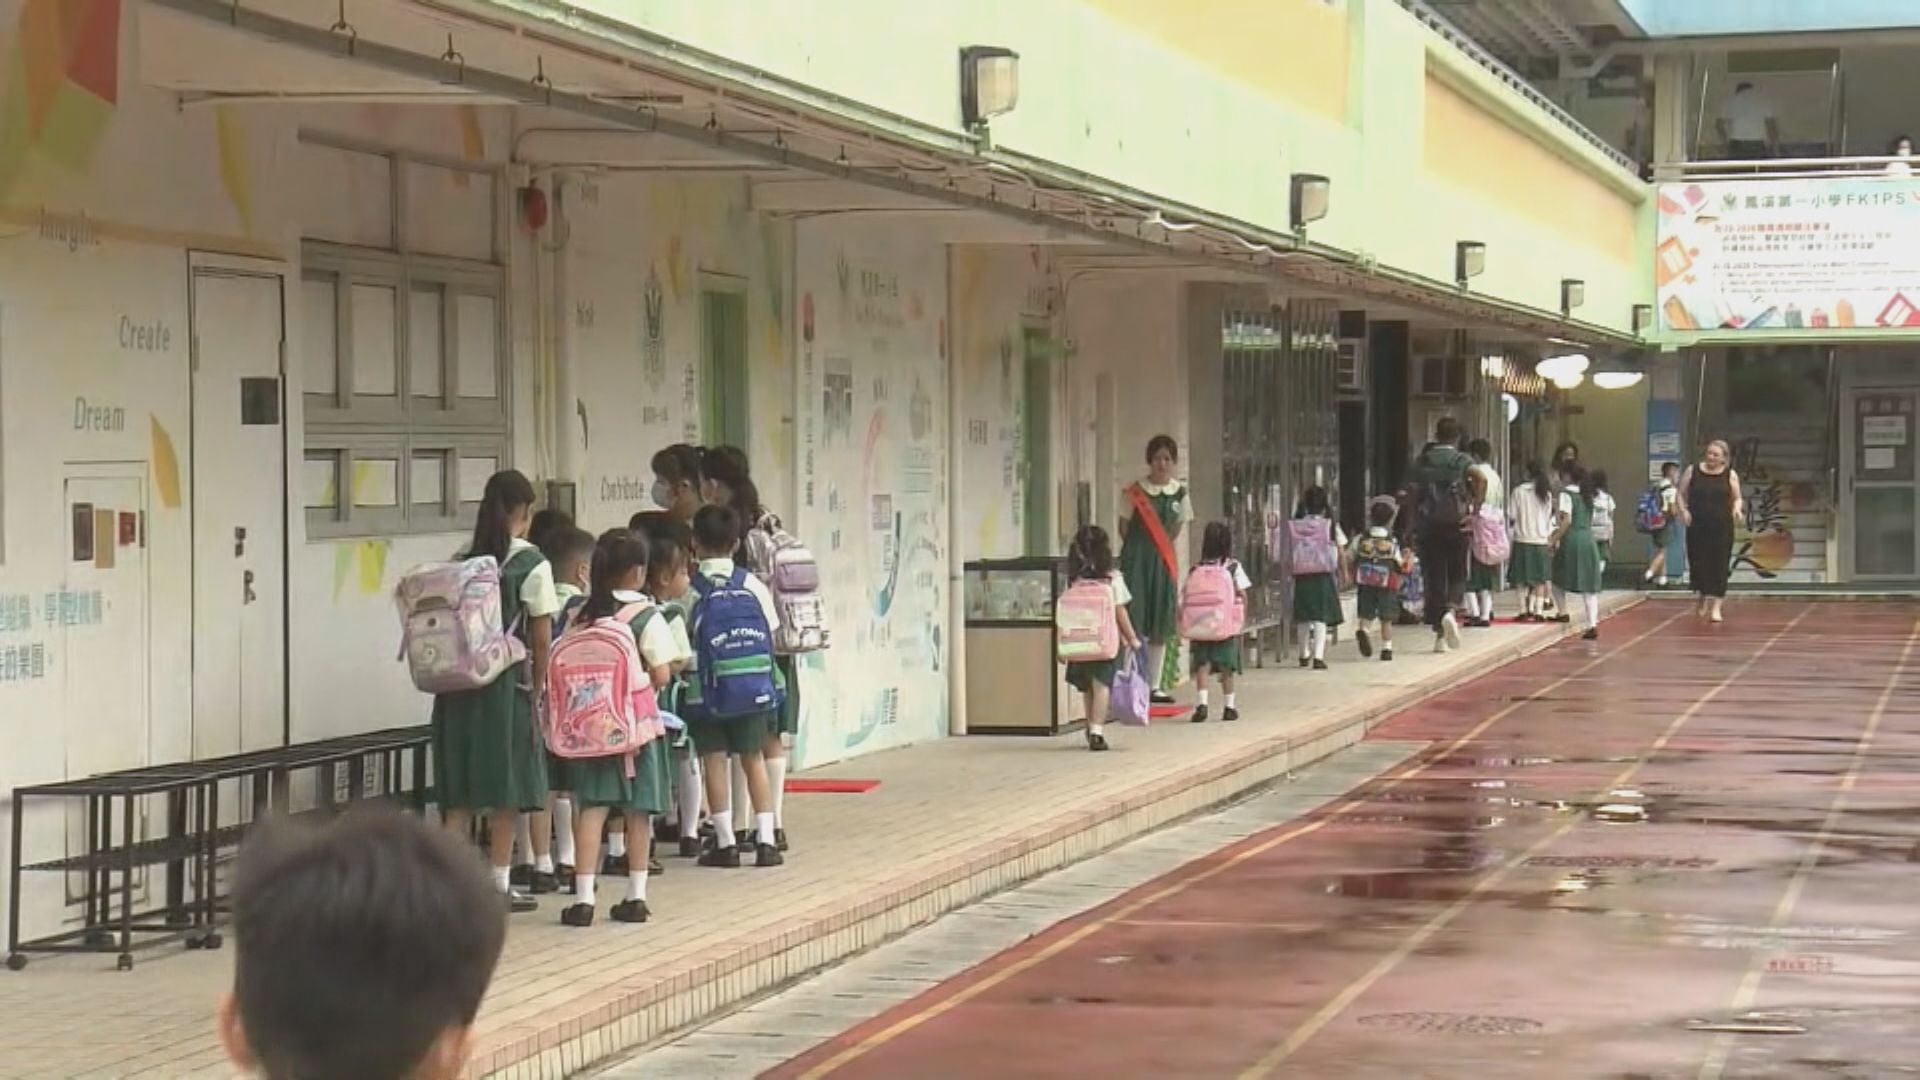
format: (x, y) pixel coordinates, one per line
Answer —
(1619, 862)
(1440, 1023)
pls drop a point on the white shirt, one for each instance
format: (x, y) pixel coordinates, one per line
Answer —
(1531, 515)
(1747, 115)
(657, 647)
(1496, 495)
(722, 569)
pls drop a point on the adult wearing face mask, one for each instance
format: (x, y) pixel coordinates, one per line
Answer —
(677, 481)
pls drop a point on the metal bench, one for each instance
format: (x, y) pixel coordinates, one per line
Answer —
(194, 838)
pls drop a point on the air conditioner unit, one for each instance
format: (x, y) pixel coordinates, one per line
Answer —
(1440, 376)
(1350, 367)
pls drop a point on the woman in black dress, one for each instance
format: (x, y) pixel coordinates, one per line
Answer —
(1710, 504)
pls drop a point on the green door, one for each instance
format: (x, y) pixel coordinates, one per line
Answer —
(1037, 415)
(723, 413)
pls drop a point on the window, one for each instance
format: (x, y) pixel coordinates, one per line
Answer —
(404, 364)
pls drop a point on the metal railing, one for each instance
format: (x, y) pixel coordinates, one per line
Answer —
(1514, 81)
(1796, 168)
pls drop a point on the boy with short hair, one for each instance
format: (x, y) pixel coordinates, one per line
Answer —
(716, 535)
(363, 947)
(1378, 563)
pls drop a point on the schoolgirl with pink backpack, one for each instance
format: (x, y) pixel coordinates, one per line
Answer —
(603, 725)
(1095, 638)
(1213, 612)
(1315, 545)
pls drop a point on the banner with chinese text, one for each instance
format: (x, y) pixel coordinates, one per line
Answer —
(1809, 254)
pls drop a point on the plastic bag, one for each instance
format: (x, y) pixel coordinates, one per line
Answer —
(1131, 701)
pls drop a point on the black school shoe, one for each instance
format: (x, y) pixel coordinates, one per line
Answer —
(519, 903)
(1591, 635)
(780, 840)
(654, 869)
(1319, 665)
(577, 915)
(1386, 653)
(765, 855)
(722, 858)
(521, 875)
(563, 873)
(1230, 715)
(540, 884)
(1199, 714)
(613, 866)
(690, 847)
(1364, 640)
(630, 911)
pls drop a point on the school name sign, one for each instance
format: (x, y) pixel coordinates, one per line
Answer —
(1789, 254)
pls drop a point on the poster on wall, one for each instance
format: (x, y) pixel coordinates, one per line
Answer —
(872, 476)
(1815, 254)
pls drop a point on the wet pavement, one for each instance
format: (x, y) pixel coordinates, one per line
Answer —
(1686, 850)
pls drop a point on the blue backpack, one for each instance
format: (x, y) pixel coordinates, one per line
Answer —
(734, 647)
(1650, 516)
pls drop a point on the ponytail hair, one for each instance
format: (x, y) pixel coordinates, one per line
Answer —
(1542, 486)
(506, 494)
(618, 554)
(1091, 554)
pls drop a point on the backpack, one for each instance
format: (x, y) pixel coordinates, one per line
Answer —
(733, 647)
(1374, 567)
(794, 578)
(569, 611)
(1601, 524)
(1086, 625)
(1650, 515)
(1211, 608)
(1311, 541)
(1439, 504)
(600, 699)
(451, 630)
(1489, 542)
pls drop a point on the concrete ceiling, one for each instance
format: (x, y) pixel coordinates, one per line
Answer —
(1535, 35)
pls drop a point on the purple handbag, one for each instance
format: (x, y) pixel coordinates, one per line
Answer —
(1131, 701)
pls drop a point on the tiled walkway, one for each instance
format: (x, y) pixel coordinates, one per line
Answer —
(950, 822)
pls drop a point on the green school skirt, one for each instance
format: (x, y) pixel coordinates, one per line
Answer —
(486, 755)
(1481, 577)
(1219, 657)
(1084, 674)
(1316, 599)
(604, 782)
(1531, 565)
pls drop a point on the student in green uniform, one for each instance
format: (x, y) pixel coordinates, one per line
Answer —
(716, 536)
(487, 757)
(1156, 510)
(1316, 597)
(569, 549)
(1576, 555)
(1090, 558)
(1221, 658)
(601, 784)
(669, 562)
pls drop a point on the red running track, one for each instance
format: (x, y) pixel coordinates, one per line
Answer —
(1607, 854)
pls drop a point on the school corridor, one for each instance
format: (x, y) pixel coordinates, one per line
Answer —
(1684, 851)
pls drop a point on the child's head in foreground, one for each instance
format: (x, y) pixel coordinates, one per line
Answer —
(362, 949)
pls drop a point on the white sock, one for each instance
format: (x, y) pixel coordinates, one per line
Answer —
(723, 828)
(637, 886)
(741, 799)
(583, 889)
(563, 849)
(543, 864)
(1560, 600)
(1317, 634)
(1203, 699)
(1473, 605)
(1592, 601)
(522, 839)
(1486, 605)
(777, 787)
(689, 796)
(1231, 698)
(503, 878)
(617, 843)
(1156, 662)
(763, 826)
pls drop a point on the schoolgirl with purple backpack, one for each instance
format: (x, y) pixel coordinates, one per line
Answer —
(1316, 543)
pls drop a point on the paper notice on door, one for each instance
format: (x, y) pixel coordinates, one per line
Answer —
(1879, 457)
(103, 545)
(1883, 431)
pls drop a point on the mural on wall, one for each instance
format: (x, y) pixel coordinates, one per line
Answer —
(873, 494)
(62, 86)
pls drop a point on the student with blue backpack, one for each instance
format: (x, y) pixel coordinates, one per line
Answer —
(732, 626)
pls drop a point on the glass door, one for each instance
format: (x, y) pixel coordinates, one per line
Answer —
(1884, 506)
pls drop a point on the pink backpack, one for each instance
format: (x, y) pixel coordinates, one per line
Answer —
(600, 701)
(1490, 543)
(1211, 609)
(1086, 626)
(1311, 540)
(450, 626)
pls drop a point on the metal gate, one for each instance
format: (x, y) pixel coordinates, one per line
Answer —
(1280, 433)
